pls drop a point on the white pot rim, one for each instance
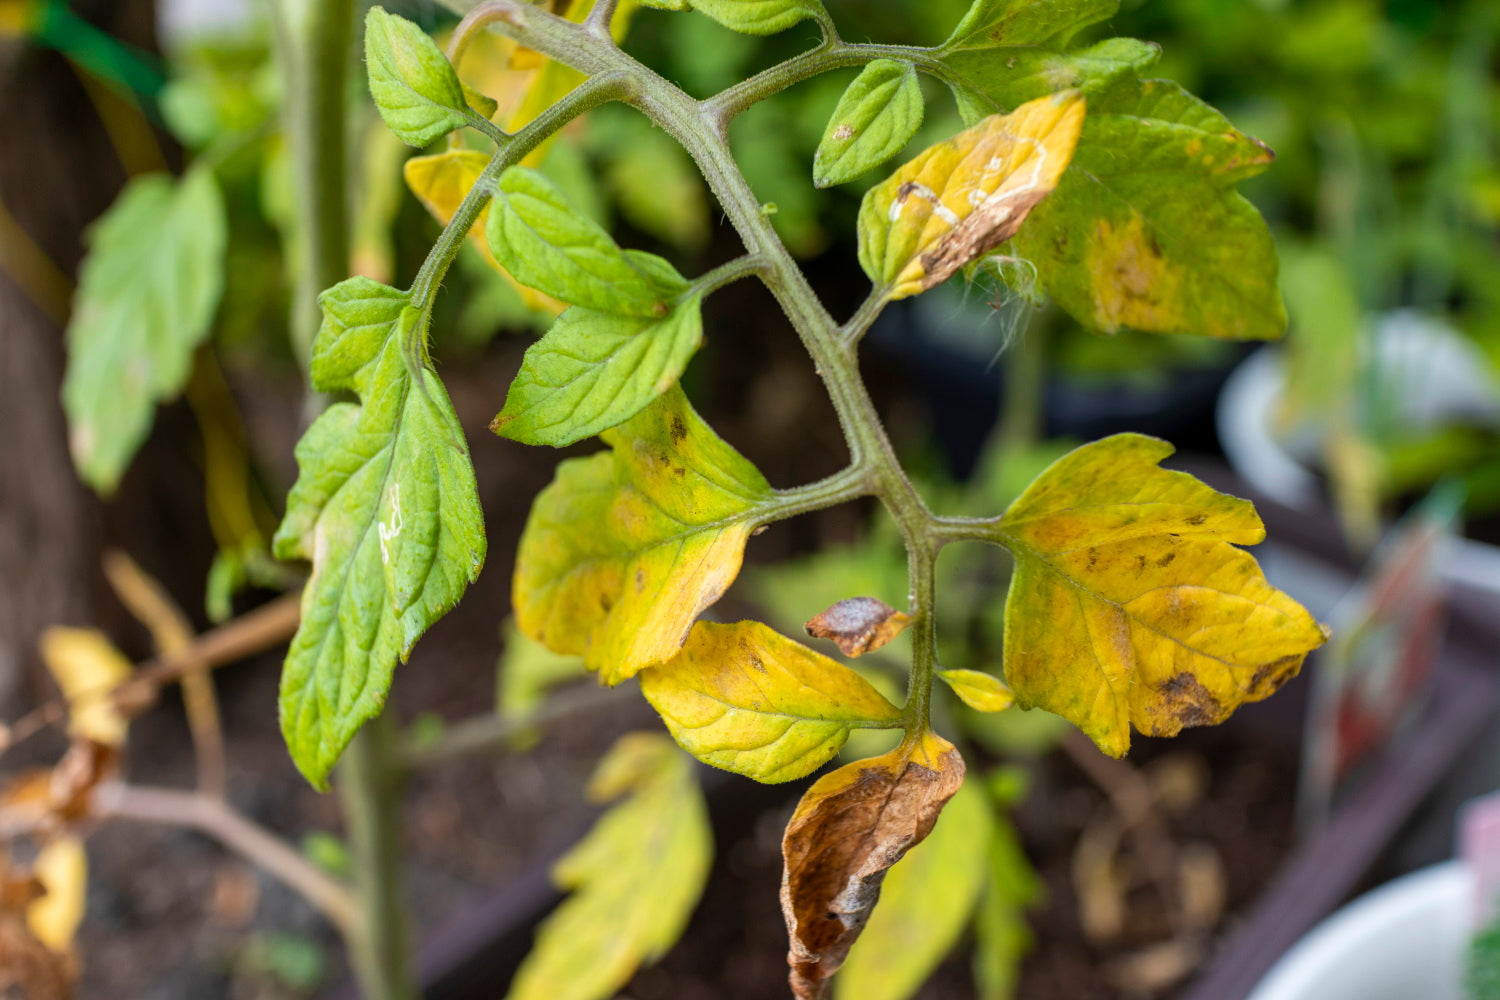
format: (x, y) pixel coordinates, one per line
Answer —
(1418, 923)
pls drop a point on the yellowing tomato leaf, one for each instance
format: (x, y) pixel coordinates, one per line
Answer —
(634, 879)
(990, 23)
(878, 112)
(385, 507)
(980, 691)
(540, 239)
(146, 298)
(749, 700)
(88, 668)
(527, 671)
(440, 183)
(964, 197)
(416, 91)
(1130, 604)
(925, 904)
(849, 829)
(757, 17)
(625, 548)
(1147, 232)
(593, 370)
(1001, 934)
(858, 625)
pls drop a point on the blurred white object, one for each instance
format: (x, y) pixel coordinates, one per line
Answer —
(1407, 940)
(181, 21)
(1426, 373)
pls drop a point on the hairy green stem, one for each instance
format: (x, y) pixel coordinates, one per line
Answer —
(370, 786)
(315, 37)
(833, 54)
(699, 127)
(593, 92)
(314, 40)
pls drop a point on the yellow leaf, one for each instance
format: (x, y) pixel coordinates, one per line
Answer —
(88, 668)
(634, 880)
(625, 548)
(749, 700)
(848, 830)
(858, 624)
(440, 183)
(978, 690)
(962, 198)
(1130, 603)
(62, 868)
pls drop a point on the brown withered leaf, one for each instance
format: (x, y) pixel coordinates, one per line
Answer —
(848, 830)
(858, 624)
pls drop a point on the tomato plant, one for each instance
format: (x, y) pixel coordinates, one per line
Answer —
(1131, 604)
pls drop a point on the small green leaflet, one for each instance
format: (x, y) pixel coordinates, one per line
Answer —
(594, 370)
(1146, 231)
(386, 509)
(757, 17)
(1001, 934)
(415, 88)
(925, 904)
(146, 297)
(990, 23)
(545, 244)
(878, 113)
(634, 879)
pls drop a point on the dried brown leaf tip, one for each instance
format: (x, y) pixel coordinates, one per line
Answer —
(848, 830)
(859, 624)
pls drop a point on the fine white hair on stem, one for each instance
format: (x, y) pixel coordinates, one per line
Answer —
(1015, 296)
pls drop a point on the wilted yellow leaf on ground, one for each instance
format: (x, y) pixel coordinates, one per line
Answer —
(962, 198)
(625, 548)
(979, 690)
(858, 625)
(848, 830)
(749, 700)
(63, 870)
(441, 182)
(88, 668)
(1130, 603)
(634, 880)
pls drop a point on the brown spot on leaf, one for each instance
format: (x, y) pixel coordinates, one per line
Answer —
(1268, 677)
(1166, 559)
(640, 580)
(677, 430)
(1189, 702)
(847, 832)
(1197, 519)
(858, 624)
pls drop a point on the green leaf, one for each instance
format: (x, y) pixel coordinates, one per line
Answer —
(594, 370)
(386, 509)
(925, 903)
(758, 17)
(538, 237)
(415, 88)
(668, 511)
(746, 698)
(634, 879)
(1130, 604)
(990, 23)
(1145, 231)
(1001, 934)
(527, 671)
(1009, 77)
(146, 297)
(878, 113)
